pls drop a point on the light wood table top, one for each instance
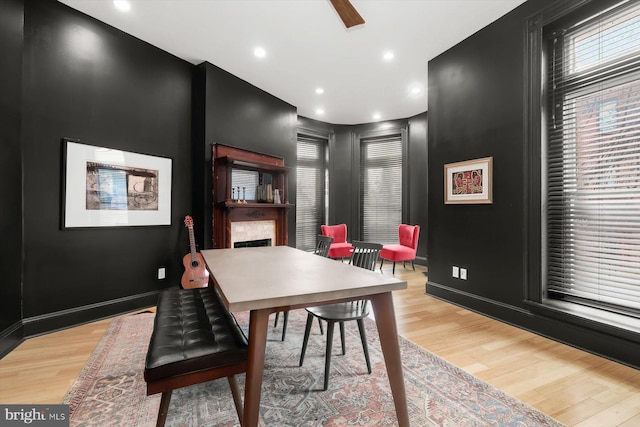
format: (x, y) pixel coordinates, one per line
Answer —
(279, 276)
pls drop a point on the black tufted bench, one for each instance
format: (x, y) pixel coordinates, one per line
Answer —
(195, 339)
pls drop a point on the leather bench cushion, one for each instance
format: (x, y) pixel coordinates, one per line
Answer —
(192, 331)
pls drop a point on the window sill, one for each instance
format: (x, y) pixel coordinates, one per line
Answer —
(626, 327)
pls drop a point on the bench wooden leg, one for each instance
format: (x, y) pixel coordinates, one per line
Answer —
(237, 397)
(164, 408)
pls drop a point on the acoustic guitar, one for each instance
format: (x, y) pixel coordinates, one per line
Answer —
(195, 271)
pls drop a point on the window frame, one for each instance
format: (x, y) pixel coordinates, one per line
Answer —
(361, 138)
(535, 155)
(322, 139)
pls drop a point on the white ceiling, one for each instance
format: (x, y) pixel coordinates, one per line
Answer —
(308, 46)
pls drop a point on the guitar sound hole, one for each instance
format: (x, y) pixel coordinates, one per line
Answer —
(195, 264)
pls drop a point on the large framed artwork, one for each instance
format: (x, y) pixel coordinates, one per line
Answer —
(469, 182)
(103, 187)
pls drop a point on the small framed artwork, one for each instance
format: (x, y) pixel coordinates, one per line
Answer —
(103, 187)
(469, 182)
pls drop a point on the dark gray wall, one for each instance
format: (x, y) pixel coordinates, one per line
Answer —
(11, 19)
(230, 111)
(418, 191)
(84, 80)
(69, 75)
(477, 109)
(342, 190)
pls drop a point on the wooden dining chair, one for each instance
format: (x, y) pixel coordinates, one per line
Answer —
(365, 255)
(323, 243)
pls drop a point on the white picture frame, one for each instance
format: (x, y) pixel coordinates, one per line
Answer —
(104, 187)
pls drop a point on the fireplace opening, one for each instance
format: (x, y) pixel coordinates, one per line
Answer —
(252, 243)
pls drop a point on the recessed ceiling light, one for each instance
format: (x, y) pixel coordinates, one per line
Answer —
(376, 116)
(260, 52)
(415, 90)
(388, 56)
(122, 5)
(319, 91)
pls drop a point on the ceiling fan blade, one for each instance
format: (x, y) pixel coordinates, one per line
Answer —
(347, 13)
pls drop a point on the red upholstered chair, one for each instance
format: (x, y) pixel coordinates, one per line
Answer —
(339, 248)
(405, 250)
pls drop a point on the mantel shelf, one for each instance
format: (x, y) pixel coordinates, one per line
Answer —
(232, 205)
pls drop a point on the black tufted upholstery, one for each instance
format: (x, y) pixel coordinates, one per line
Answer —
(192, 331)
(195, 339)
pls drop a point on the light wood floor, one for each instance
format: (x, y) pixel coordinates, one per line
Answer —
(575, 387)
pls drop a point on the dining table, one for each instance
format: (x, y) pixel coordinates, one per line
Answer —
(268, 279)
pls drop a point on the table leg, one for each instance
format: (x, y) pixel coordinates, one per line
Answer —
(387, 330)
(258, 324)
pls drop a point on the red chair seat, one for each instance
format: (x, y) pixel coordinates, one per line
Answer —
(397, 253)
(340, 250)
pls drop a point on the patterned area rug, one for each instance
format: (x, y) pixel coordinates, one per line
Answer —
(110, 390)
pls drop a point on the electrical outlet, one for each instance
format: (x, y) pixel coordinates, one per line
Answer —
(463, 273)
(455, 272)
(162, 273)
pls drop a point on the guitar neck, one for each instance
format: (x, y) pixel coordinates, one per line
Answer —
(192, 243)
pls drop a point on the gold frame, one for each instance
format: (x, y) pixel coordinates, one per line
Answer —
(461, 185)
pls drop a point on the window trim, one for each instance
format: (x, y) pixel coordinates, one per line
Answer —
(326, 138)
(534, 154)
(355, 166)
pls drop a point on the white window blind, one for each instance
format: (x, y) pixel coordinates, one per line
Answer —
(381, 188)
(311, 185)
(593, 161)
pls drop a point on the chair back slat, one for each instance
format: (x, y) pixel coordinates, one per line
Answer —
(365, 254)
(323, 244)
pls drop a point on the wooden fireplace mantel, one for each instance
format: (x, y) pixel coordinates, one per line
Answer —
(226, 210)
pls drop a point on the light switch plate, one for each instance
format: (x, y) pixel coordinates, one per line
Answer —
(463, 273)
(455, 271)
